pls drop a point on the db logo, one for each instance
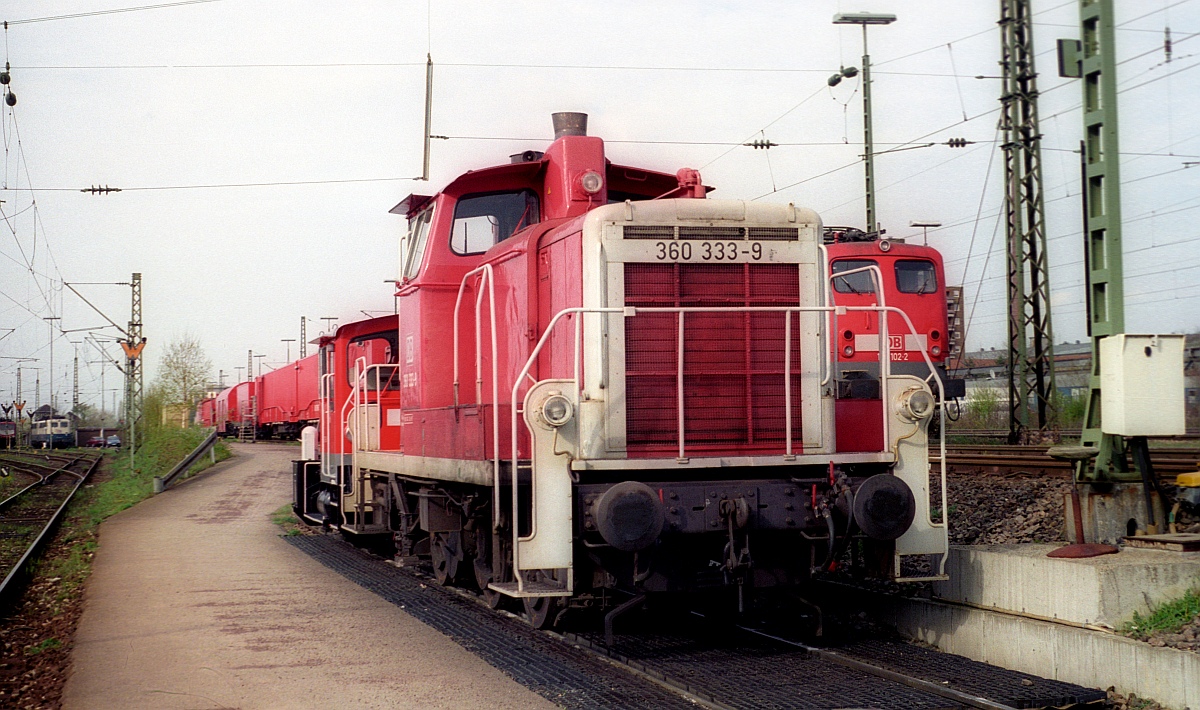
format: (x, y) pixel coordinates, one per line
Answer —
(896, 342)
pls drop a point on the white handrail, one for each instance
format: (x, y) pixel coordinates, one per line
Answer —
(885, 352)
(515, 391)
(787, 311)
(885, 369)
(941, 418)
(485, 271)
(325, 393)
(679, 387)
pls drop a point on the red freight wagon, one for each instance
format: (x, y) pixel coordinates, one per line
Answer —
(308, 401)
(233, 409)
(206, 412)
(287, 399)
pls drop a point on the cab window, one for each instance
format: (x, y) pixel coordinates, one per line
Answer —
(862, 282)
(914, 276)
(414, 244)
(485, 219)
(374, 350)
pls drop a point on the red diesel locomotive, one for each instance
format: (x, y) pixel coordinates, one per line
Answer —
(602, 384)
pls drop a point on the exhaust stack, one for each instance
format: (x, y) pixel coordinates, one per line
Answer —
(569, 123)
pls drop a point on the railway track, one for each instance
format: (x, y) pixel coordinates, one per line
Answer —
(38, 489)
(680, 660)
(1034, 461)
(1190, 435)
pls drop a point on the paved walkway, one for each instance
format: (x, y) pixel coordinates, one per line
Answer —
(196, 602)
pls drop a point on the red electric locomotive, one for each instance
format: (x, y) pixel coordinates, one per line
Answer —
(868, 270)
(602, 384)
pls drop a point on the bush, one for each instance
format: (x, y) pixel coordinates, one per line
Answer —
(984, 409)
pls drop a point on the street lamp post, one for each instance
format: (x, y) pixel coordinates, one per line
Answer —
(865, 19)
(289, 342)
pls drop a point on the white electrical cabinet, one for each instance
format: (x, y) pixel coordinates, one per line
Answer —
(1141, 385)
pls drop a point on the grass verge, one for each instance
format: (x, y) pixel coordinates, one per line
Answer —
(1167, 618)
(285, 518)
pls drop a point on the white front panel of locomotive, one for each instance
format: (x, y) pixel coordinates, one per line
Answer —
(602, 419)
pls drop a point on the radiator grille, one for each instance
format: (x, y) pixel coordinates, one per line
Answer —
(725, 233)
(775, 234)
(647, 231)
(733, 362)
(666, 232)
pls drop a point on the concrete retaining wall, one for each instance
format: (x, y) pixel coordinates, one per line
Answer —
(1093, 658)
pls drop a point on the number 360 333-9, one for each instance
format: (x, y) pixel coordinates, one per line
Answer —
(708, 251)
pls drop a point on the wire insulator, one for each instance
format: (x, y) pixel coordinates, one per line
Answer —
(762, 143)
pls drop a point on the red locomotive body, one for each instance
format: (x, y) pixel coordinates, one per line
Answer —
(601, 381)
(908, 278)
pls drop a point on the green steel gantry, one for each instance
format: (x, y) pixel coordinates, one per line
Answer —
(1093, 58)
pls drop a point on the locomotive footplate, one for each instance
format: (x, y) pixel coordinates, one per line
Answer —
(698, 507)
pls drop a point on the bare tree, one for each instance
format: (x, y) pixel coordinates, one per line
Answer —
(183, 372)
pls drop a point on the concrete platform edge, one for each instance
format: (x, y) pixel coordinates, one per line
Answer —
(1075, 655)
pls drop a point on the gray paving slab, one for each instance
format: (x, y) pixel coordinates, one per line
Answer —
(196, 602)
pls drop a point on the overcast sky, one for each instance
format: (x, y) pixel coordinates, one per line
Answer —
(260, 143)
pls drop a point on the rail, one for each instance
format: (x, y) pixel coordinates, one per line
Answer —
(14, 573)
(162, 483)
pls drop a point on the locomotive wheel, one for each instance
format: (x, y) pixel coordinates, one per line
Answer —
(542, 611)
(445, 550)
(483, 577)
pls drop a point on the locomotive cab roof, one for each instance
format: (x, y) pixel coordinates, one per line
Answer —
(560, 177)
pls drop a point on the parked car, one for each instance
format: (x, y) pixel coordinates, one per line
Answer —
(95, 442)
(113, 441)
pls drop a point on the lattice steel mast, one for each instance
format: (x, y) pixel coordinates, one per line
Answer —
(133, 364)
(1030, 339)
(1094, 59)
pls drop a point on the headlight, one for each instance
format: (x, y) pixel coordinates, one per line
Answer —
(916, 404)
(557, 410)
(591, 182)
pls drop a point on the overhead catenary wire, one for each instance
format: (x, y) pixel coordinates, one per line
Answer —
(732, 145)
(113, 11)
